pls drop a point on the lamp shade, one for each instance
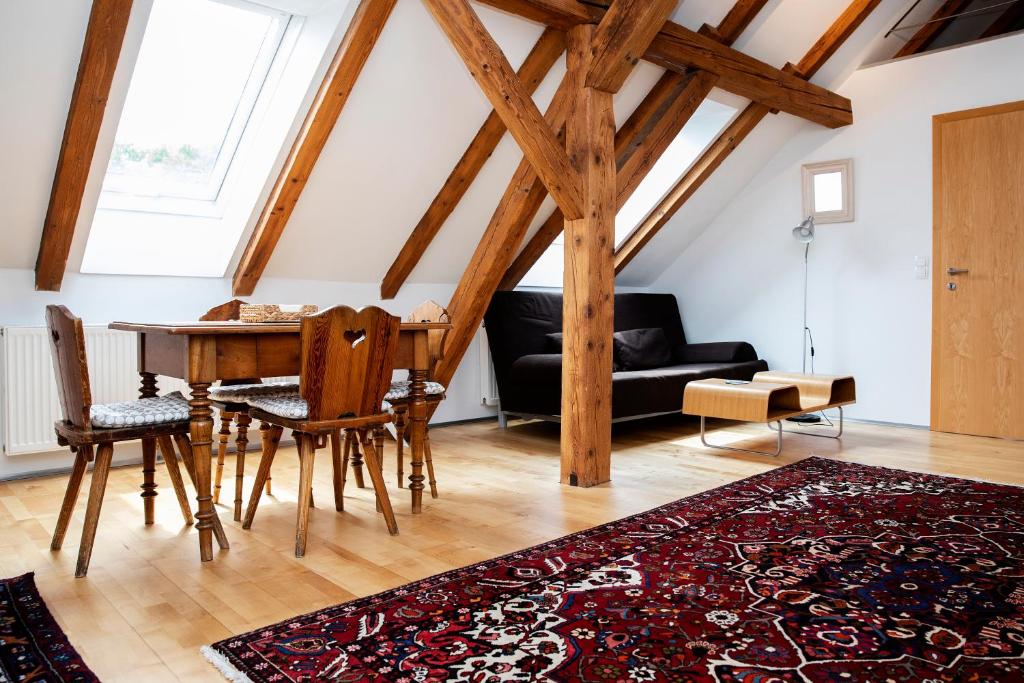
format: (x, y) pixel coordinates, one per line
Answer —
(804, 233)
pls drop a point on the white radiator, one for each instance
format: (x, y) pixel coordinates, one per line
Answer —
(488, 384)
(28, 392)
(29, 396)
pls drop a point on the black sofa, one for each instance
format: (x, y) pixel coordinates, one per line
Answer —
(528, 364)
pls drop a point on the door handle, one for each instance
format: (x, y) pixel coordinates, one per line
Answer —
(957, 271)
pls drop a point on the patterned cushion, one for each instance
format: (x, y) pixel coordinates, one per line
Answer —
(145, 411)
(401, 388)
(291, 406)
(238, 393)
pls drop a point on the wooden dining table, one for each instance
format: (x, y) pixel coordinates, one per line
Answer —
(201, 353)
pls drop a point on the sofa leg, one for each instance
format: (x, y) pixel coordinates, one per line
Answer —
(502, 419)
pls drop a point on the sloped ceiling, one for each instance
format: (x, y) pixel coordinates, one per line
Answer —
(40, 43)
(410, 117)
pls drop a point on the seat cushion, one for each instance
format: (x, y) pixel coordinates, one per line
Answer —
(144, 411)
(400, 389)
(291, 406)
(238, 393)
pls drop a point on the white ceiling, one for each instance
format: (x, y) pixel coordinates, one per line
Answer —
(408, 120)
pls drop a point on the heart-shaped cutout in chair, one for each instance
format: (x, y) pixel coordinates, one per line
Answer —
(355, 337)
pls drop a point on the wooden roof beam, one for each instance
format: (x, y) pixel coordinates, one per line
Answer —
(509, 97)
(678, 48)
(930, 30)
(535, 67)
(622, 37)
(108, 21)
(735, 132)
(645, 136)
(362, 34)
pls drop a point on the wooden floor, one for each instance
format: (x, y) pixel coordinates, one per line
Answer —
(148, 604)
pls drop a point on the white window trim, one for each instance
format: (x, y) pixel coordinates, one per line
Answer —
(240, 134)
(845, 168)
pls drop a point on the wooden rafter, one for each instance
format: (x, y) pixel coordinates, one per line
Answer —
(535, 67)
(498, 81)
(928, 32)
(678, 48)
(1006, 20)
(362, 34)
(735, 132)
(623, 35)
(645, 145)
(108, 21)
(645, 136)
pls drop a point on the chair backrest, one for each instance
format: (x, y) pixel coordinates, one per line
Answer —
(432, 312)
(70, 366)
(347, 360)
(225, 312)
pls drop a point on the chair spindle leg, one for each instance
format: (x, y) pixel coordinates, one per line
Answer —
(357, 461)
(148, 478)
(224, 434)
(241, 445)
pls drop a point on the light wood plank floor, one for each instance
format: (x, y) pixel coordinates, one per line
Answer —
(148, 604)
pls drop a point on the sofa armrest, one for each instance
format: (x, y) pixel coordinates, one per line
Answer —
(715, 352)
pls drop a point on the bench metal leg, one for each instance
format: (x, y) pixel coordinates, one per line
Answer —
(820, 435)
(778, 442)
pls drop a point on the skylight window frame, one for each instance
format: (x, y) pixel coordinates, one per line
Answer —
(259, 87)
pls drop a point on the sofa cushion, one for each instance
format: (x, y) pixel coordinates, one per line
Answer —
(554, 342)
(641, 349)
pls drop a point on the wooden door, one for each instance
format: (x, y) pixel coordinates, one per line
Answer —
(978, 314)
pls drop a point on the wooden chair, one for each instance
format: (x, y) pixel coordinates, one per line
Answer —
(346, 363)
(85, 427)
(398, 395)
(229, 397)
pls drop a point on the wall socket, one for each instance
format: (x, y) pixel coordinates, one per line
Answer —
(921, 269)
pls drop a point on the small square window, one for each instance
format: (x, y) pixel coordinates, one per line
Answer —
(828, 191)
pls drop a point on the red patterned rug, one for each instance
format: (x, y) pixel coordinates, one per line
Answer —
(32, 646)
(819, 571)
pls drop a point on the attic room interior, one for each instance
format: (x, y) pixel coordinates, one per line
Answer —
(512, 340)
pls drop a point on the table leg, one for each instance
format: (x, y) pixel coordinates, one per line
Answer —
(201, 432)
(417, 430)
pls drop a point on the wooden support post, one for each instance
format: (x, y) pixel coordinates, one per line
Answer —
(589, 283)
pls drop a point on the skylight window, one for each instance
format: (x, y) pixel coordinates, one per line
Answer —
(704, 126)
(199, 73)
(215, 93)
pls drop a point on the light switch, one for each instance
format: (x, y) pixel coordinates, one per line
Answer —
(921, 270)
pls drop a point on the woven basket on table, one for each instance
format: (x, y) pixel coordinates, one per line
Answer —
(272, 313)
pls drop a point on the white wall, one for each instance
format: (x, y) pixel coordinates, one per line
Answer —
(99, 299)
(742, 277)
